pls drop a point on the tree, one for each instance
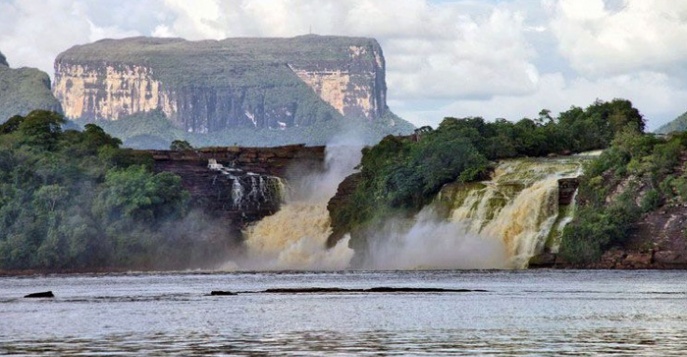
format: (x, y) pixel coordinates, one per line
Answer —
(11, 125)
(41, 129)
(135, 193)
(95, 137)
(180, 145)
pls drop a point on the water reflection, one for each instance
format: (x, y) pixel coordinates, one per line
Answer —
(523, 313)
(435, 343)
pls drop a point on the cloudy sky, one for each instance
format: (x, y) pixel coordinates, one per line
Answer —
(489, 58)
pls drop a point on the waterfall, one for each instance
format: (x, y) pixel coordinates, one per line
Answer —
(499, 223)
(519, 206)
(495, 224)
(249, 189)
(294, 238)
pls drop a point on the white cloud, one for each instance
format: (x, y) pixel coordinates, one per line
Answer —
(196, 20)
(32, 33)
(653, 93)
(500, 58)
(447, 50)
(637, 35)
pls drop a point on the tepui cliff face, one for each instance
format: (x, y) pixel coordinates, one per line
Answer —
(209, 86)
(23, 90)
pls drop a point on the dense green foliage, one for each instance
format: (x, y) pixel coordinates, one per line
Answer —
(637, 174)
(75, 200)
(152, 130)
(23, 90)
(400, 175)
(180, 145)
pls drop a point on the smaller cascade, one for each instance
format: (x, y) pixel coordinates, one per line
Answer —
(236, 192)
(249, 190)
(520, 205)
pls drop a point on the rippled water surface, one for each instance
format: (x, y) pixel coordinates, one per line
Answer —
(536, 312)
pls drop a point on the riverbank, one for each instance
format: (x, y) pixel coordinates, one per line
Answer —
(618, 259)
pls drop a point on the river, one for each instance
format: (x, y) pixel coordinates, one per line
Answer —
(522, 312)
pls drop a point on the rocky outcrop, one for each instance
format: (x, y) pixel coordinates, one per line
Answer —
(343, 194)
(43, 294)
(618, 258)
(657, 241)
(256, 169)
(566, 190)
(23, 90)
(209, 86)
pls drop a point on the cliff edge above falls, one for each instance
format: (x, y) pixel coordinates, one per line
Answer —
(23, 90)
(215, 192)
(211, 86)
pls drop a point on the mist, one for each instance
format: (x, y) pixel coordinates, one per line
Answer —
(428, 242)
(295, 237)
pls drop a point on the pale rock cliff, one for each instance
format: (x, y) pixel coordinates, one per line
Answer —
(109, 91)
(208, 86)
(352, 92)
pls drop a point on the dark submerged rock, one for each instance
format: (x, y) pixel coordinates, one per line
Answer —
(44, 294)
(381, 289)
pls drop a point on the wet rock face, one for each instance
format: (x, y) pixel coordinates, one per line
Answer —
(209, 86)
(566, 190)
(245, 184)
(43, 294)
(343, 193)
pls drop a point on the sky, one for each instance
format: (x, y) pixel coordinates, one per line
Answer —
(489, 58)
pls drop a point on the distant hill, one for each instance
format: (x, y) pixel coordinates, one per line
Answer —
(23, 90)
(245, 91)
(677, 124)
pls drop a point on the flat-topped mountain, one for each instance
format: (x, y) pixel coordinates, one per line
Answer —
(23, 90)
(238, 83)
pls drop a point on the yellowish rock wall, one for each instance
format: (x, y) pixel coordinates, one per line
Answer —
(110, 92)
(347, 91)
(354, 87)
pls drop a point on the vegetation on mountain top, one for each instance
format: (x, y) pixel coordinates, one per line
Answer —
(244, 90)
(244, 62)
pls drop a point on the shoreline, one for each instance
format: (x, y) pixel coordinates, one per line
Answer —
(39, 273)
